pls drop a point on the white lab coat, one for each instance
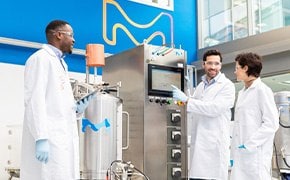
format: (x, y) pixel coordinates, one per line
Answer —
(49, 114)
(256, 121)
(210, 109)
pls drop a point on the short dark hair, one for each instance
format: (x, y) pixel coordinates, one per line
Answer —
(54, 25)
(212, 52)
(252, 60)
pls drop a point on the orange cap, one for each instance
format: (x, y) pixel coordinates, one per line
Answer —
(95, 55)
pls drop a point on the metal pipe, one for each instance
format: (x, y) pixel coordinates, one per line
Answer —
(88, 74)
(34, 45)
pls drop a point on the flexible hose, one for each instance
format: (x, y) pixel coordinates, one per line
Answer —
(110, 171)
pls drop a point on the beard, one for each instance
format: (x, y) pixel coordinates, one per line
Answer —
(70, 49)
(65, 48)
(211, 74)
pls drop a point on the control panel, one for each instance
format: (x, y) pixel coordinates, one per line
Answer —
(174, 144)
(160, 100)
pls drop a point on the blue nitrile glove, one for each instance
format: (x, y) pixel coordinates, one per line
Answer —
(231, 163)
(83, 104)
(42, 150)
(178, 94)
(242, 146)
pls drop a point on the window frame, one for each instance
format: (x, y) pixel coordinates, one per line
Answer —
(156, 4)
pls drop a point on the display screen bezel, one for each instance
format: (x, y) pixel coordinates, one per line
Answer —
(159, 92)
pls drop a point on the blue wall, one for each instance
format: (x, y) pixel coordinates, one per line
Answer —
(93, 22)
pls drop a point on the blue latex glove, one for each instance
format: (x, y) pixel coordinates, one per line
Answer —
(83, 104)
(178, 94)
(42, 150)
(242, 146)
(231, 163)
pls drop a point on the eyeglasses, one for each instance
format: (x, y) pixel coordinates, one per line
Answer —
(210, 63)
(70, 34)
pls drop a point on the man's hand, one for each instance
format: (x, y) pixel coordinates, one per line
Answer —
(178, 94)
(242, 146)
(83, 104)
(231, 163)
(42, 150)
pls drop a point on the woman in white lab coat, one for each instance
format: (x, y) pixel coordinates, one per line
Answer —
(255, 123)
(50, 111)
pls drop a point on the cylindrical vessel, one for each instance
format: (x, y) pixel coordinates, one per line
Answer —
(95, 55)
(100, 136)
(282, 137)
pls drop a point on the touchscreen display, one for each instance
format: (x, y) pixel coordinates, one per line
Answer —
(160, 79)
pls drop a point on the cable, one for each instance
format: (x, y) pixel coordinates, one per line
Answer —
(141, 173)
(285, 161)
(284, 126)
(283, 156)
(128, 166)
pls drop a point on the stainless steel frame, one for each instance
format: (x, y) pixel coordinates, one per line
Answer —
(154, 146)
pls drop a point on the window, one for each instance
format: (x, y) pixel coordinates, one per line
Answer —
(226, 20)
(163, 4)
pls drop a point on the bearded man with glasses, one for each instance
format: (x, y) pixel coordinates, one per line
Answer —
(209, 113)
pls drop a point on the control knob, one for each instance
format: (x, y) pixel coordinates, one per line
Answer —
(176, 172)
(175, 135)
(175, 117)
(176, 153)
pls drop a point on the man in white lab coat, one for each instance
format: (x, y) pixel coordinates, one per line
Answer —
(210, 109)
(50, 143)
(256, 121)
